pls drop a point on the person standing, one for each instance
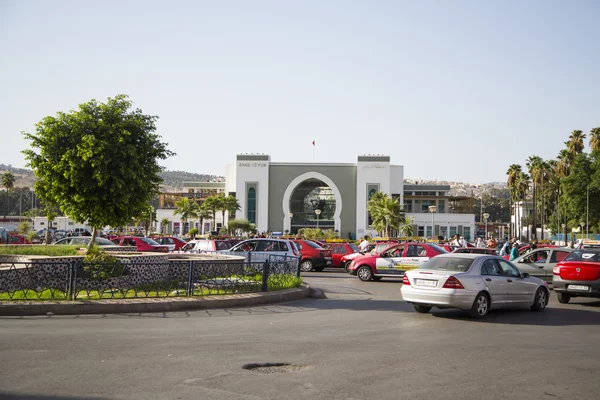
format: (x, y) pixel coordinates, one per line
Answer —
(479, 244)
(364, 244)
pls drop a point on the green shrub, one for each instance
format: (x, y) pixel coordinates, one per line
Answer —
(38, 250)
(97, 264)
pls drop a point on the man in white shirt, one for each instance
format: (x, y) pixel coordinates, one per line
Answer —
(480, 243)
(364, 244)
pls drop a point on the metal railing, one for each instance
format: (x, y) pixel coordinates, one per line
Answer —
(75, 280)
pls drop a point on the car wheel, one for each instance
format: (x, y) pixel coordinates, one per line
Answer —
(563, 298)
(306, 266)
(347, 266)
(421, 309)
(540, 301)
(364, 273)
(319, 269)
(480, 307)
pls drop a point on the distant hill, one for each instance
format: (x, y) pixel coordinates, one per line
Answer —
(173, 180)
(461, 188)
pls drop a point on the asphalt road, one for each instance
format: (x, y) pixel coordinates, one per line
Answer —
(362, 342)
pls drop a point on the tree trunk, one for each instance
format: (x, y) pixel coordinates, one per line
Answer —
(534, 212)
(93, 239)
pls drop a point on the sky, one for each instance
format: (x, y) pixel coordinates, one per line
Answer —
(453, 90)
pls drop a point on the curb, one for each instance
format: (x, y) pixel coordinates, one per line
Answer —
(154, 305)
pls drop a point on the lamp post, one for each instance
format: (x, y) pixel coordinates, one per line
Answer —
(318, 212)
(564, 226)
(582, 224)
(291, 215)
(432, 210)
(485, 218)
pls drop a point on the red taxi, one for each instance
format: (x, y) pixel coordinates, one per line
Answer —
(393, 260)
(578, 275)
(373, 247)
(312, 256)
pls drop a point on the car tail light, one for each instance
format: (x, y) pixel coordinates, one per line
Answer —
(556, 270)
(453, 283)
(405, 280)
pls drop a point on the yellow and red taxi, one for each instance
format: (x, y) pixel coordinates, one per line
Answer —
(371, 248)
(394, 260)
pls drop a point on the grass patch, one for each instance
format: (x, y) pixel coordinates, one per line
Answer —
(38, 250)
(275, 282)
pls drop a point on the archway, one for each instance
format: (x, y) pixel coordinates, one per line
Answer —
(306, 193)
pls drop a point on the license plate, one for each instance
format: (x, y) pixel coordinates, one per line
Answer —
(425, 282)
(578, 287)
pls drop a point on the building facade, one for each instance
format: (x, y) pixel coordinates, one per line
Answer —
(284, 197)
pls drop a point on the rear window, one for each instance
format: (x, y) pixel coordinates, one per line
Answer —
(313, 245)
(584, 255)
(223, 244)
(149, 241)
(354, 247)
(453, 264)
(438, 248)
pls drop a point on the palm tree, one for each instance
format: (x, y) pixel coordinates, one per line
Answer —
(385, 212)
(163, 224)
(203, 214)
(214, 204)
(564, 161)
(522, 188)
(546, 169)
(406, 227)
(534, 164)
(575, 143)
(8, 182)
(595, 139)
(231, 205)
(513, 173)
(187, 209)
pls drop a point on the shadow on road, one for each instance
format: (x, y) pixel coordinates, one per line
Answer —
(14, 396)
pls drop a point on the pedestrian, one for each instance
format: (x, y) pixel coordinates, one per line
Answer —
(571, 245)
(533, 245)
(364, 244)
(462, 241)
(479, 244)
(505, 251)
(514, 253)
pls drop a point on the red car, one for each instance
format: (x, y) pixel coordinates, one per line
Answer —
(174, 243)
(312, 256)
(19, 239)
(578, 275)
(142, 243)
(377, 247)
(339, 250)
(393, 260)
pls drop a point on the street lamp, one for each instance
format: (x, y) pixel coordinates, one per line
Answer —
(485, 218)
(318, 212)
(432, 210)
(564, 226)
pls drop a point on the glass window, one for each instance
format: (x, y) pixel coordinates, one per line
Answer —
(489, 267)
(354, 247)
(452, 231)
(251, 209)
(420, 231)
(429, 233)
(441, 207)
(408, 205)
(584, 255)
(558, 256)
(283, 246)
(467, 233)
(416, 251)
(425, 205)
(338, 249)
(507, 269)
(457, 264)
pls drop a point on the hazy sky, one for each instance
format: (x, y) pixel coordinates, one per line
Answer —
(452, 90)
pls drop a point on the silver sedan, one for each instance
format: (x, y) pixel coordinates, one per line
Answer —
(472, 282)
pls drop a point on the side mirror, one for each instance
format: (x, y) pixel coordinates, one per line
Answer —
(524, 275)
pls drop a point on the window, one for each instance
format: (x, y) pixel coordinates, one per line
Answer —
(507, 269)
(267, 245)
(441, 208)
(467, 232)
(338, 249)
(283, 246)
(251, 209)
(416, 251)
(558, 256)
(425, 205)
(429, 233)
(408, 205)
(420, 231)
(457, 264)
(452, 231)
(489, 267)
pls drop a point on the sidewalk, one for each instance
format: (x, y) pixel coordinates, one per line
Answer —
(150, 305)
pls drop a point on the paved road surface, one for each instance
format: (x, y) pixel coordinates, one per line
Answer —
(362, 342)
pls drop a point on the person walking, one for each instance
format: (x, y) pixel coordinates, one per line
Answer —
(514, 253)
(505, 251)
(364, 244)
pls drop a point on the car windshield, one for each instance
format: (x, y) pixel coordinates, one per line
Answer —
(454, 264)
(149, 241)
(354, 247)
(584, 255)
(103, 242)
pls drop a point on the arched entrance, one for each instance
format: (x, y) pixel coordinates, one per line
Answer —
(305, 194)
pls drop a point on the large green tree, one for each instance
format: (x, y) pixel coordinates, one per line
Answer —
(187, 209)
(213, 204)
(98, 163)
(386, 212)
(8, 181)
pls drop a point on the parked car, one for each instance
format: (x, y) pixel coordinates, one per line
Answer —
(208, 245)
(172, 242)
(371, 249)
(541, 262)
(312, 256)
(472, 282)
(18, 239)
(339, 250)
(524, 249)
(393, 261)
(263, 248)
(578, 275)
(83, 241)
(475, 250)
(142, 243)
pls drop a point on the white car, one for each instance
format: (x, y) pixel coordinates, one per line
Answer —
(472, 282)
(261, 249)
